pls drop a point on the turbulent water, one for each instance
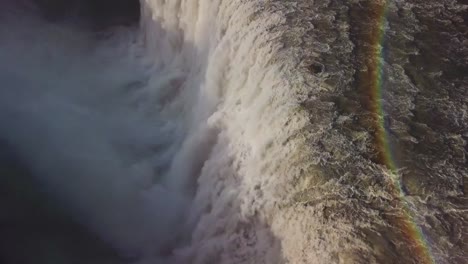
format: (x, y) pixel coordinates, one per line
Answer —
(235, 132)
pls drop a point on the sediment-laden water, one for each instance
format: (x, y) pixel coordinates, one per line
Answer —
(244, 131)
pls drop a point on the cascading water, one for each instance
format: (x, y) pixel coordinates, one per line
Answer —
(243, 131)
(127, 129)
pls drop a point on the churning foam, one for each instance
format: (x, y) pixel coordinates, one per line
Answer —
(239, 114)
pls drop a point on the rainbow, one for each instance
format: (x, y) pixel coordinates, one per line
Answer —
(408, 224)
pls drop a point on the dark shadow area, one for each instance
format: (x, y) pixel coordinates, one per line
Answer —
(35, 227)
(99, 14)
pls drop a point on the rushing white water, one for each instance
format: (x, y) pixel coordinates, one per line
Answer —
(237, 116)
(220, 132)
(157, 139)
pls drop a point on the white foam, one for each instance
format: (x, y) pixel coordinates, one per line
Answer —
(244, 104)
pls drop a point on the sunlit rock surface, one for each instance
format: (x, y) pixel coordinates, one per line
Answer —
(235, 132)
